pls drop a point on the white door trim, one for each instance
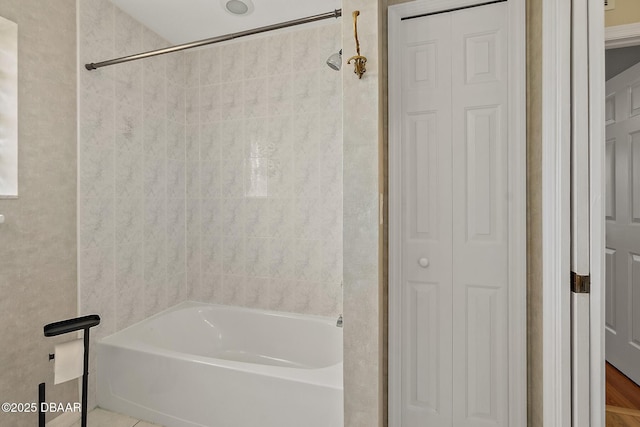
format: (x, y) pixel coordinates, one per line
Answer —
(556, 126)
(596, 210)
(622, 36)
(517, 191)
(580, 204)
(556, 38)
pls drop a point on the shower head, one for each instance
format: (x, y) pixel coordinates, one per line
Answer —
(335, 61)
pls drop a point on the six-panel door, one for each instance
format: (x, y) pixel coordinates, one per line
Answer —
(622, 211)
(455, 219)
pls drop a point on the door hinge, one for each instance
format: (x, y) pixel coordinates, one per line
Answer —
(580, 284)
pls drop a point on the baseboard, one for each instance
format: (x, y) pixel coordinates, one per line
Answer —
(64, 420)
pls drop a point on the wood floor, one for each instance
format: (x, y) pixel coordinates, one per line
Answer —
(623, 400)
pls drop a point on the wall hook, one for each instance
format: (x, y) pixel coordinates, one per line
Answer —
(359, 61)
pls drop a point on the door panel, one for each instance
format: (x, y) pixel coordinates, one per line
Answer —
(426, 356)
(426, 158)
(610, 179)
(610, 294)
(634, 301)
(634, 95)
(455, 219)
(482, 126)
(482, 349)
(423, 392)
(622, 175)
(635, 177)
(480, 212)
(423, 172)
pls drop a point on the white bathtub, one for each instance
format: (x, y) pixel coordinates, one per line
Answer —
(217, 366)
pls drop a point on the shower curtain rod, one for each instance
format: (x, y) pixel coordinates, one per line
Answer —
(95, 65)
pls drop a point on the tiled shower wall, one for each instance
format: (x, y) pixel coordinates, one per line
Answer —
(131, 172)
(212, 175)
(264, 172)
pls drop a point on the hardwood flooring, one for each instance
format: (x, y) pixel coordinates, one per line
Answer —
(623, 400)
(622, 417)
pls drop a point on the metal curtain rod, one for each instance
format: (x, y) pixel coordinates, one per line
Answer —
(95, 65)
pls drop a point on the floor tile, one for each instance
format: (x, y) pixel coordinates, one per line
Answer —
(146, 424)
(101, 418)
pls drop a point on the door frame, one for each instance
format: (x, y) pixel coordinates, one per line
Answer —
(517, 192)
(613, 37)
(556, 211)
(556, 124)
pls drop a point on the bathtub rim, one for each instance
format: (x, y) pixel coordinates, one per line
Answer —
(329, 376)
(193, 304)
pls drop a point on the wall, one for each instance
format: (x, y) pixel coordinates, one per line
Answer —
(626, 12)
(534, 213)
(132, 173)
(618, 60)
(264, 180)
(38, 239)
(364, 305)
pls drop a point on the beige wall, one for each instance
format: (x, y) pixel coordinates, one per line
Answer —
(38, 238)
(626, 12)
(362, 300)
(534, 212)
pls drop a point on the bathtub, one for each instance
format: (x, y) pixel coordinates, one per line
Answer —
(218, 366)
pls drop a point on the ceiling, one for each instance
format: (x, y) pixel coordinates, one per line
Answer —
(618, 60)
(182, 21)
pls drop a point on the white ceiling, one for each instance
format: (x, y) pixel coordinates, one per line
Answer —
(618, 60)
(182, 21)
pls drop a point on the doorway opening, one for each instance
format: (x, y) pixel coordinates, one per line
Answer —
(622, 225)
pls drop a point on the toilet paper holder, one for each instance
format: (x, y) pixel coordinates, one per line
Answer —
(65, 327)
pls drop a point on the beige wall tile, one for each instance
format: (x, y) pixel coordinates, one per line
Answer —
(363, 370)
(270, 167)
(132, 166)
(38, 238)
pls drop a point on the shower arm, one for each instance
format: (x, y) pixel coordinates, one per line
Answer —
(95, 65)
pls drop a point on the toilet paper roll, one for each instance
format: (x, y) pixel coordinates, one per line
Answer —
(69, 361)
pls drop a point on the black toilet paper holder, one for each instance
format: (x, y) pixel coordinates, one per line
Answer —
(65, 327)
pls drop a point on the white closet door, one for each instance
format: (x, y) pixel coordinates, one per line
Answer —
(480, 216)
(622, 210)
(455, 219)
(427, 227)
